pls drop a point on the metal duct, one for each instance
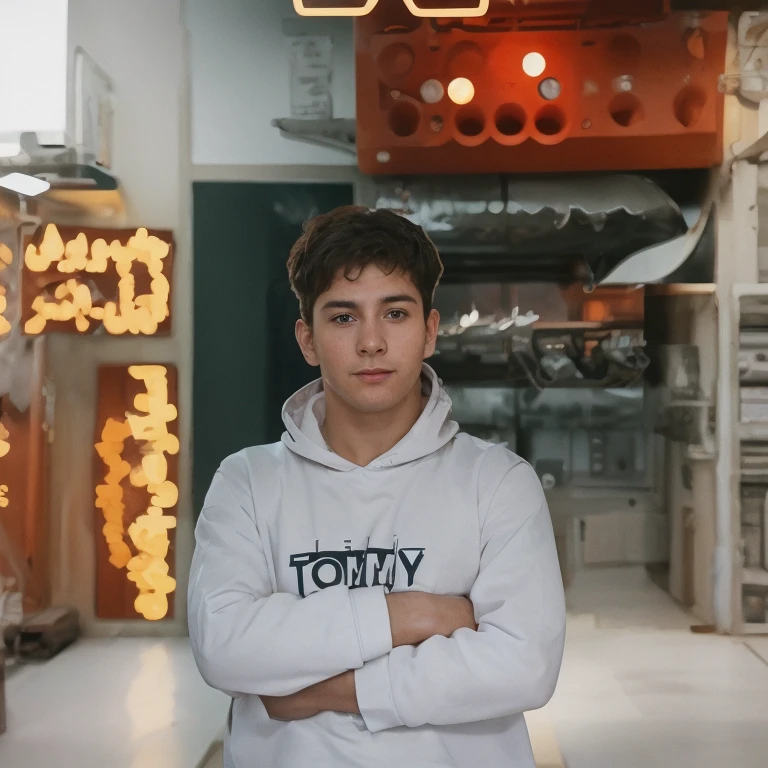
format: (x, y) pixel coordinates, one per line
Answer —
(541, 228)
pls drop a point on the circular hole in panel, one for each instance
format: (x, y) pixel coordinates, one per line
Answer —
(510, 119)
(404, 119)
(689, 104)
(626, 109)
(550, 121)
(470, 121)
(396, 60)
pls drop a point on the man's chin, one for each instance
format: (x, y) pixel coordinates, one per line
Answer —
(373, 404)
(373, 399)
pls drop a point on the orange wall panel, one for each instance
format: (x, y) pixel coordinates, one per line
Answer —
(630, 98)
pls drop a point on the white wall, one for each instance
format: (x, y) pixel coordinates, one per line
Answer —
(32, 71)
(141, 46)
(241, 76)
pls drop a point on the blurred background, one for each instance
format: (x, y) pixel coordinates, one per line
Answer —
(592, 175)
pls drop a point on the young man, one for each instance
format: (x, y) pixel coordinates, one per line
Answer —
(378, 589)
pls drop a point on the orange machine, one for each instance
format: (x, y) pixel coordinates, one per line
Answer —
(539, 86)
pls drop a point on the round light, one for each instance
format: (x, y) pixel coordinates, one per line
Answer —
(432, 91)
(461, 90)
(534, 64)
(550, 89)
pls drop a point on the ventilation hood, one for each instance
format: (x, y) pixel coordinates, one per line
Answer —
(597, 229)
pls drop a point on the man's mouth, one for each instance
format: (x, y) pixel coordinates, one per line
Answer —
(374, 375)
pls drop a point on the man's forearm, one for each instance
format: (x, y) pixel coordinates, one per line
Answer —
(336, 695)
(414, 617)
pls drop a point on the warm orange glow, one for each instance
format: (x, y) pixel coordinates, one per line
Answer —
(534, 64)
(479, 9)
(5, 448)
(130, 314)
(5, 326)
(303, 10)
(674, 122)
(461, 90)
(6, 257)
(74, 302)
(149, 532)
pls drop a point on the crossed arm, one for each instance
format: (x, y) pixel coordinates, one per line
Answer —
(414, 617)
(397, 659)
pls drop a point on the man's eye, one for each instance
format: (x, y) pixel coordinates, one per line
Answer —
(342, 319)
(397, 314)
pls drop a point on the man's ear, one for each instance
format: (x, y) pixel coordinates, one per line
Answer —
(306, 342)
(433, 325)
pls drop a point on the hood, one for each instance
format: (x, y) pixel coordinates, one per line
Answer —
(555, 228)
(304, 413)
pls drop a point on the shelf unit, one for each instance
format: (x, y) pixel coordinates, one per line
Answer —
(754, 579)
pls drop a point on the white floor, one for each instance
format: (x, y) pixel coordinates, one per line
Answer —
(639, 690)
(121, 703)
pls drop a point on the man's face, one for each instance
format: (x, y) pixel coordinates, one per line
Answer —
(369, 338)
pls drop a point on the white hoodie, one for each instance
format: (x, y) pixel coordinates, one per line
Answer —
(297, 548)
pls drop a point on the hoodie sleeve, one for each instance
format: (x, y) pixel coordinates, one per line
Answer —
(249, 639)
(511, 664)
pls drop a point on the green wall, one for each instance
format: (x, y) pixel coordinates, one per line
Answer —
(246, 361)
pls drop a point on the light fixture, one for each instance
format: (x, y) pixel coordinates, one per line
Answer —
(24, 184)
(303, 10)
(461, 90)
(550, 89)
(328, 8)
(432, 91)
(73, 298)
(149, 531)
(480, 9)
(534, 64)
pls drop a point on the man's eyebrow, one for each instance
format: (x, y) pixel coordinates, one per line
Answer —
(339, 304)
(344, 304)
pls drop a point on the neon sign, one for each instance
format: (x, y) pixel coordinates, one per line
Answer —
(364, 7)
(148, 426)
(123, 284)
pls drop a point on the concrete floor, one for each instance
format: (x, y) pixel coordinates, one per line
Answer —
(120, 703)
(637, 690)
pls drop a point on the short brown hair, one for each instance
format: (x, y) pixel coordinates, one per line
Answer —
(351, 238)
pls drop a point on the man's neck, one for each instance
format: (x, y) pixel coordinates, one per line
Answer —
(363, 437)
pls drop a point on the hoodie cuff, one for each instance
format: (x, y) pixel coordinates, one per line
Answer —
(374, 696)
(369, 606)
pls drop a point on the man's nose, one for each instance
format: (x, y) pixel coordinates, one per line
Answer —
(372, 339)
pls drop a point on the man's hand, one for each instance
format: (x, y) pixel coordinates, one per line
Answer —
(334, 695)
(298, 706)
(417, 616)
